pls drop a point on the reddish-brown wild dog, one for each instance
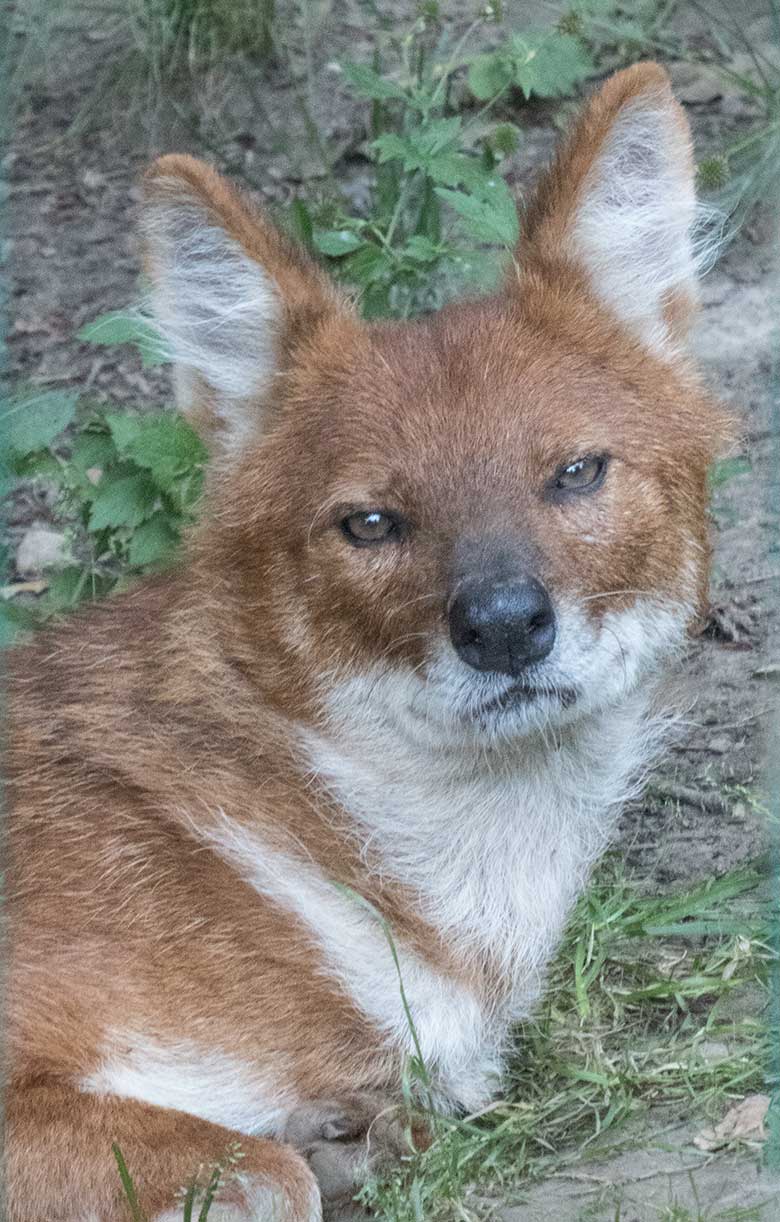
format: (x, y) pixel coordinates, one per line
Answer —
(410, 650)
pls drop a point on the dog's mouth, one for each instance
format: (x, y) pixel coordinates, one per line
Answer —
(520, 694)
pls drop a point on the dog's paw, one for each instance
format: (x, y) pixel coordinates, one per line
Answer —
(347, 1139)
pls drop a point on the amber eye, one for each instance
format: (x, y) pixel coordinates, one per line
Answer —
(586, 472)
(371, 526)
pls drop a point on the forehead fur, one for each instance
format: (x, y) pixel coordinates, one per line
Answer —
(540, 376)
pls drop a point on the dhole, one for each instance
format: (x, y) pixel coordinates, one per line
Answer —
(404, 669)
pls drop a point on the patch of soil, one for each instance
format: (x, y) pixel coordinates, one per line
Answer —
(668, 1178)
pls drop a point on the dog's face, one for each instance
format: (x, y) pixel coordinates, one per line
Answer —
(485, 521)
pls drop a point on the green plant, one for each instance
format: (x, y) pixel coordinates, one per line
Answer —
(127, 485)
(543, 63)
(743, 170)
(621, 32)
(747, 170)
(440, 213)
(200, 1193)
(640, 988)
(178, 34)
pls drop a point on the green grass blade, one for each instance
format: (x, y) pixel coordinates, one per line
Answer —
(137, 1213)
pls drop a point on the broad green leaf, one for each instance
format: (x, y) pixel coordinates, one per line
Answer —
(551, 64)
(125, 428)
(490, 216)
(376, 300)
(392, 147)
(126, 327)
(185, 493)
(40, 465)
(489, 74)
(301, 223)
(367, 266)
(32, 422)
(456, 169)
(152, 541)
(726, 469)
(123, 502)
(436, 135)
(162, 442)
(92, 450)
(421, 249)
(429, 218)
(68, 586)
(625, 29)
(8, 627)
(417, 150)
(15, 619)
(370, 84)
(337, 242)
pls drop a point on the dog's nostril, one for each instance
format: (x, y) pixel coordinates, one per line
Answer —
(502, 627)
(539, 621)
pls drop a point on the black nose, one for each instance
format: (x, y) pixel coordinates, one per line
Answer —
(502, 626)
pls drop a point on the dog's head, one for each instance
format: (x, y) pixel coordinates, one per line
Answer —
(490, 518)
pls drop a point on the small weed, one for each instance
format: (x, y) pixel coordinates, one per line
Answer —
(726, 469)
(747, 169)
(640, 986)
(440, 213)
(127, 486)
(199, 1194)
(174, 35)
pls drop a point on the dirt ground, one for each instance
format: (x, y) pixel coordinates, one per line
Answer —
(72, 254)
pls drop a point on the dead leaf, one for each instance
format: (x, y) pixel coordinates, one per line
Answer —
(743, 1122)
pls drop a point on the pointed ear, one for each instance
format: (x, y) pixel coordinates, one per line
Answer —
(619, 203)
(231, 295)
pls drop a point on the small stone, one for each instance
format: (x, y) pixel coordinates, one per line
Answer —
(712, 1051)
(93, 179)
(772, 671)
(40, 548)
(720, 746)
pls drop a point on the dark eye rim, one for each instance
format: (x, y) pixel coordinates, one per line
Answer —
(399, 527)
(560, 491)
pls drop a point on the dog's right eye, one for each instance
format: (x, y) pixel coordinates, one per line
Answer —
(372, 526)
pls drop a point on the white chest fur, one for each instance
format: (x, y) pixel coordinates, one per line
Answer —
(497, 845)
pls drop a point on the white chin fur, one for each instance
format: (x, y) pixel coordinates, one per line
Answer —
(593, 667)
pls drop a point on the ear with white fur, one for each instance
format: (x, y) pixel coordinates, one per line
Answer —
(619, 203)
(231, 295)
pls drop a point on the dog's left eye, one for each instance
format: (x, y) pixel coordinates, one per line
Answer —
(371, 526)
(584, 473)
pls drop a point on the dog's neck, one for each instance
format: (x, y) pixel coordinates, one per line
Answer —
(495, 843)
